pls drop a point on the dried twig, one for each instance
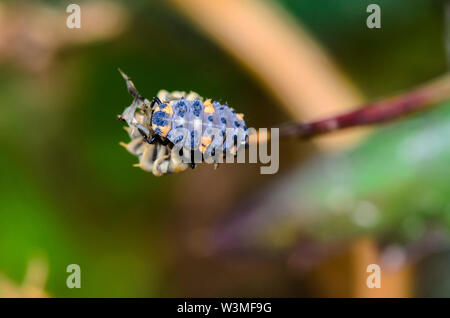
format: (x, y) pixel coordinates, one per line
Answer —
(419, 99)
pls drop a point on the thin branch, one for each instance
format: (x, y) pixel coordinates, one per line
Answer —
(419, 99)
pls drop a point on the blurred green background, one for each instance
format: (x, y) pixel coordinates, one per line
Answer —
(69, 193)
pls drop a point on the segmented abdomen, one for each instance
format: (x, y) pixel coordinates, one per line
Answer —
(198, 124)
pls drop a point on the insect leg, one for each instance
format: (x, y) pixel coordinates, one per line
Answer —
(150, 139)
(192, 159)
(165, 141)
(155, 100)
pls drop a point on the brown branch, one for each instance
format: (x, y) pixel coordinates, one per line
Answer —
(419, 99)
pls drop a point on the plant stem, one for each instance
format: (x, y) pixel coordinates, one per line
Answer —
(419, 99)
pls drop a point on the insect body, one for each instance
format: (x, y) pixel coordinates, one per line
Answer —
(171, 132)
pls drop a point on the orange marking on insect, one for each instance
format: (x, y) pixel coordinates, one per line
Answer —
(208, 107)
(164, 130)
(206, 141)
(168, 109)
